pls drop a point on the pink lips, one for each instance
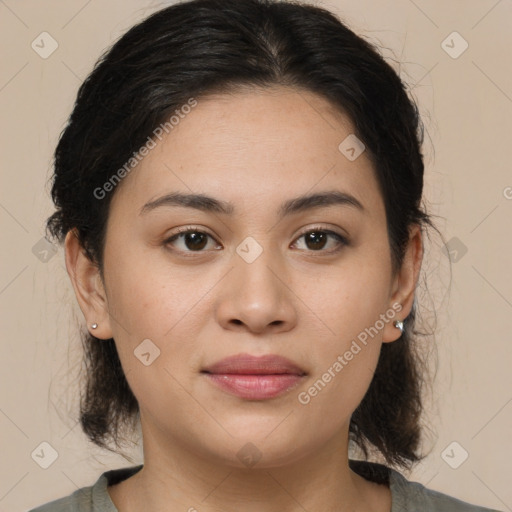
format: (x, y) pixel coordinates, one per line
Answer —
(255, 378)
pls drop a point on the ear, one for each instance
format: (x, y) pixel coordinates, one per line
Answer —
(88, 286)
(404, 284)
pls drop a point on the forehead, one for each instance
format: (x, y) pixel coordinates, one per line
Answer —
(253, 145)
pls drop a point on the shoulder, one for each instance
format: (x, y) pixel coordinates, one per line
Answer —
(79, 501)
(407, 496)
(413, 496)
(92, 498)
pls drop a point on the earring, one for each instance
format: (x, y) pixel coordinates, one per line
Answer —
(399, 325)
(94, 326)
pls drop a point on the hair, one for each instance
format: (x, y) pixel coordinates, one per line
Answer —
(201, 47)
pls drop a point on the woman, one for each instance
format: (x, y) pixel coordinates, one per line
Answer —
(239, 195)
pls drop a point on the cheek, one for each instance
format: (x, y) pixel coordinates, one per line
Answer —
(344, 364)
(346, 299)
(148, 301)
(350, 309)
(152, 331)
(145, 295)
(334, 394)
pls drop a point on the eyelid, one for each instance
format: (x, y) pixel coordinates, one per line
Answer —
(187, 229)
(319, 227)
(342, 239)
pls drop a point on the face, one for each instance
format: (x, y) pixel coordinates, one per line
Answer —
(259, 278)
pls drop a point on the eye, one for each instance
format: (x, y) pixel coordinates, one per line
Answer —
(193, 239)
(317, 237)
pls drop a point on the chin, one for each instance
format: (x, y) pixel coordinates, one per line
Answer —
(263, 446)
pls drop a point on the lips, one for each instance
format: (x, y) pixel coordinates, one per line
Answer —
(245, 364)
(255, 378)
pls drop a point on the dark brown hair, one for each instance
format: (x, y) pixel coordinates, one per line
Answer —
(198, 47)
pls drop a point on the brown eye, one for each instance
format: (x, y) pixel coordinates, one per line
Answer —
(195, 240)
(317, 239)
(192, 240)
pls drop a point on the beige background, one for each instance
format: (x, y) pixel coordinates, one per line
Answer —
(466, 103)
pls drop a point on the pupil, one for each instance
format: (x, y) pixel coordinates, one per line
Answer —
(313, 237)
(195, 239)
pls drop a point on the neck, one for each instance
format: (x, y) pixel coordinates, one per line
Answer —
(177, 477)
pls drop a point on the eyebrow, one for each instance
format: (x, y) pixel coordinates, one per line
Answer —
(295, 205)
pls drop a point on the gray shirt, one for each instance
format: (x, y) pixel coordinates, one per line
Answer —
(406, 496)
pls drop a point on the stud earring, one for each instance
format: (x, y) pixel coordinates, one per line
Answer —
(399, 325)
(94, 326)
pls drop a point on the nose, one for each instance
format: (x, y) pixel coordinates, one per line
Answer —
(256, 296)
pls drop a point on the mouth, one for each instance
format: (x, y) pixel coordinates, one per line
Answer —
(255, 378)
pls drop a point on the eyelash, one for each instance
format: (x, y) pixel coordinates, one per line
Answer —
(342, 241)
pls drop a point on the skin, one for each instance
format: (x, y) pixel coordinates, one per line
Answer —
(256, 149)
